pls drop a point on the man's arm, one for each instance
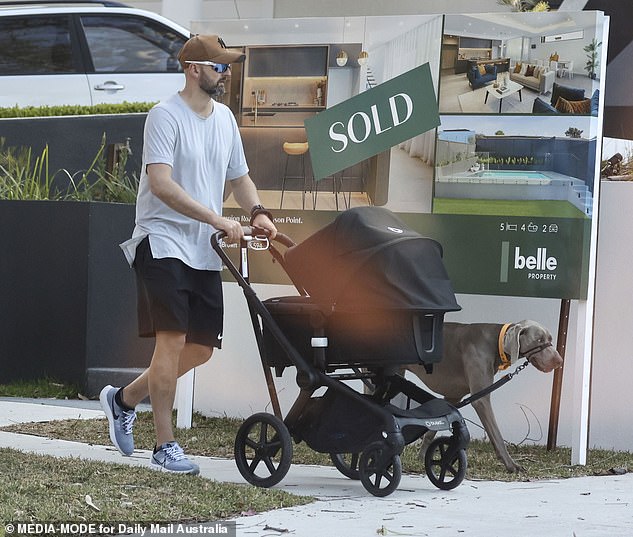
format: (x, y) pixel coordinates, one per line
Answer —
(245, 194)
(174, 196)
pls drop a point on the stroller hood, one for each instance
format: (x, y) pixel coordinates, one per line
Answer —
(368, 258)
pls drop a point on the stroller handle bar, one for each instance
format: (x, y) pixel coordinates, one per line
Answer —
(252, 233)
(258, 239)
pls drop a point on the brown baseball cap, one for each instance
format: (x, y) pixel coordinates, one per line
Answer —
(208, 48)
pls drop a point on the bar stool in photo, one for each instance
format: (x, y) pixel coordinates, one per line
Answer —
(295, 149)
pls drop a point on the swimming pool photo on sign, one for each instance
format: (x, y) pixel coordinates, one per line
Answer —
(481, 167)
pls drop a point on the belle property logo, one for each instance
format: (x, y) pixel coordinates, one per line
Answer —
(536, 264)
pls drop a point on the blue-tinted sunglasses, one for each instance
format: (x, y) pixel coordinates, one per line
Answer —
(217, 67)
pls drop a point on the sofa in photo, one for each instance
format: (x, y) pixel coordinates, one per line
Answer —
(481, 75)
(567, 100)
(537, 77)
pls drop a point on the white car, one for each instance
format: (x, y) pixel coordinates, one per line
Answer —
(86, 54)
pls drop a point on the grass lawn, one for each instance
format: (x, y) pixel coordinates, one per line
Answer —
(214, 437)
(39, 388)
(42, 488)
(534, 208)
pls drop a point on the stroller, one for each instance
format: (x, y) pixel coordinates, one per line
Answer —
(372, 298)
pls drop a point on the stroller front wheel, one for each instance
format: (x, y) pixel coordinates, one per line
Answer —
(445, 470)
(263, 450)
(380, 471)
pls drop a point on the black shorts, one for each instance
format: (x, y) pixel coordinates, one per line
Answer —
(175, 297)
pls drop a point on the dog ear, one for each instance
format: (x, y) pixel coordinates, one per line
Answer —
(511, 342)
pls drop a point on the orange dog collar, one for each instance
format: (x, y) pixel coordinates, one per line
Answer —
(505, 361)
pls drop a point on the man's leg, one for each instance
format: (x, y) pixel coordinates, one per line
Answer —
(192, 355)
(161, 381)
(119, 403)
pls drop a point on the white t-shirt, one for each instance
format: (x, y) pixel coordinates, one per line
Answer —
(203, 153)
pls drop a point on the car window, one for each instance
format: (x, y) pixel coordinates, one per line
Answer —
(131, 44)
(35, 45)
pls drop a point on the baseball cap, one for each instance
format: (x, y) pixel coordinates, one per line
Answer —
(208, 48)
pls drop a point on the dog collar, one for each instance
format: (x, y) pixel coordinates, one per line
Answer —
(505, 361)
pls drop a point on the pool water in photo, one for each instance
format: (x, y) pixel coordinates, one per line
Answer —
(502, 174)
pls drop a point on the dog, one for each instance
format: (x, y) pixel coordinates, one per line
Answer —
(472, 354)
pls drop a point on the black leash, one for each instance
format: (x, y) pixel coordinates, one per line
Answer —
(507, 377)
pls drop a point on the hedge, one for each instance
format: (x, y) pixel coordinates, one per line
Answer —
(75, 110)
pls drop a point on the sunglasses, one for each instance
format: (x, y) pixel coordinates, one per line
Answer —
(217, 67)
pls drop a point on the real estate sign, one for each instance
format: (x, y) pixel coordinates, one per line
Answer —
(508, 181)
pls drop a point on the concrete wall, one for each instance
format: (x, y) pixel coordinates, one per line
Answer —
(611, 396)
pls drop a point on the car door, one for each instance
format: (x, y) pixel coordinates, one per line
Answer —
(39, 63)
(133, 58)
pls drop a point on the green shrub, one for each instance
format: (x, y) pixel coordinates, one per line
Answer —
(23, 177)
(74, 110)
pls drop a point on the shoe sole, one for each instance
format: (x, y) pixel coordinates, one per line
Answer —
(103, 398)
(159, 468)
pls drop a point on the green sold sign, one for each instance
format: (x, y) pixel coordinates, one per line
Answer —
(373, 121)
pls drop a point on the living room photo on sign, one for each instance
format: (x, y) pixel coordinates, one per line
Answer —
(521, 63)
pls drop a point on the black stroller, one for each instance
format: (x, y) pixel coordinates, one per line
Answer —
(372, 299)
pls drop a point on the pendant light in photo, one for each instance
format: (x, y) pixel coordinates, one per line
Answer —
(363, 57)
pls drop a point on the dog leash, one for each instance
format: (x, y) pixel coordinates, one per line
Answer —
(495, 385)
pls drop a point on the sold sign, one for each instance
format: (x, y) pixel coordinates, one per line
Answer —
(373, 121)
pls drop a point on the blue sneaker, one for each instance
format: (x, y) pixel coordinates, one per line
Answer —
(120, 419)
(171, 458)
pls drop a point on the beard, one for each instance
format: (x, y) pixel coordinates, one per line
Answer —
(210, 88)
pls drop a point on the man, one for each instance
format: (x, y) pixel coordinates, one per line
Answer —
(192, 146)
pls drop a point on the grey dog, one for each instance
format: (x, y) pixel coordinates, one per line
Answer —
(472, 354)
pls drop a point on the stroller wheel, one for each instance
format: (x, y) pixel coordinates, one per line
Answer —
(380, 471)
(263, 450)
(445, 474)
(347, 464)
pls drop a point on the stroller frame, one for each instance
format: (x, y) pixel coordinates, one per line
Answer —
(377, 430)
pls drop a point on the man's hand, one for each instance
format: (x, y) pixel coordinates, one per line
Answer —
(263, 222)
(232, 228)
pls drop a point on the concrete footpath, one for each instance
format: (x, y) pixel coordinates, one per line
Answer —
(578, 507)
